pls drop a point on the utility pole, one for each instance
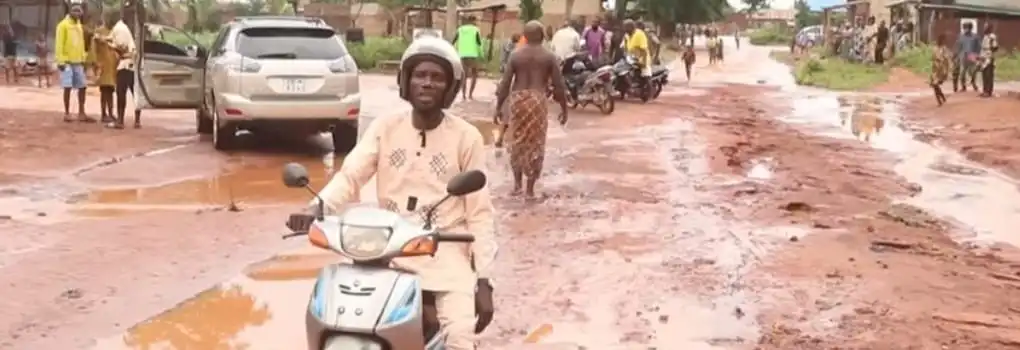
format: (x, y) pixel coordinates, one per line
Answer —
(451, 19)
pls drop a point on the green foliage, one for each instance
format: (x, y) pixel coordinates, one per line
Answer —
(805, 16)
(755, 5)
(917, 59)
(530, 9)
(772, 35)
(837, 74)
(375, 50)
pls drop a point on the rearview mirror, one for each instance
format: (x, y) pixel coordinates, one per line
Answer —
(465, 183)
(295, 175)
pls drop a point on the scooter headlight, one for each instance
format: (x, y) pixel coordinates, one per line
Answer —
(364, 242)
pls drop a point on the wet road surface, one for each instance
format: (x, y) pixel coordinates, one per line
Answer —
(627, 249)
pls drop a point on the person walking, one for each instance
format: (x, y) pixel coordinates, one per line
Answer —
(941, 60)
(966, 52)
(524, 85)
(881, 41)
(989, 46)
(468, 41)
(70, 56)
(10, 51)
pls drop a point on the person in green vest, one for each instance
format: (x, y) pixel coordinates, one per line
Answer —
(468, 41)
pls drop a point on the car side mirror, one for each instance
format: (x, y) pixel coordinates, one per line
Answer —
(466, 183)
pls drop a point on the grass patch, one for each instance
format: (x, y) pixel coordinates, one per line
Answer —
(838, 74)
(918, 60)
(771, 36)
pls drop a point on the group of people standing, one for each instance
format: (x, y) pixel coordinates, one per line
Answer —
(970, 55)
(109, 50)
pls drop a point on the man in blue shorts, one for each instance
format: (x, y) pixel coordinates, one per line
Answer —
(70, 56)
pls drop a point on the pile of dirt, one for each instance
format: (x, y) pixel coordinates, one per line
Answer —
(872, 274)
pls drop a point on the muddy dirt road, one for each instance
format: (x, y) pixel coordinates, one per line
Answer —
(734, 212)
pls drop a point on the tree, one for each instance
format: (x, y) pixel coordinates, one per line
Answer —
(530, 9)
(667, 13)
(756, 5)
(805, 17)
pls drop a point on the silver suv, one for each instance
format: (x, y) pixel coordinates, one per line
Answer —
(260, 73)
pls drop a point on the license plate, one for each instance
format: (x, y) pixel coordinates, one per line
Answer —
(294, 85)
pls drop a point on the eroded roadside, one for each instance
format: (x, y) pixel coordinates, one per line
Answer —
(871, 273)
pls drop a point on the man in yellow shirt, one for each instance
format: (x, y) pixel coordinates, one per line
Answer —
(637, 45)
(70, 56)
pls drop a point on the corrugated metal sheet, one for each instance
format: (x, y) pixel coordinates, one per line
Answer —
(1011, 5)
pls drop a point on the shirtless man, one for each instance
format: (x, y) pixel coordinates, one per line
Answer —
(525, 83)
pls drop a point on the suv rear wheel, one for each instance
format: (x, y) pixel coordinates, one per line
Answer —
(203, 121)
(345, 136)
(223, 133)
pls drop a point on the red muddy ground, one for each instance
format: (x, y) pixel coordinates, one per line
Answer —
(987, 131)
(657, 229)
(889, 273)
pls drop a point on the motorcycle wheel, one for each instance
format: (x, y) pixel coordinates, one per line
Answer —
(571, 101)
(656, 89)
(646, 93)
(608, 103)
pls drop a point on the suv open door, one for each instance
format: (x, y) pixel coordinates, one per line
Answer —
(168, 68)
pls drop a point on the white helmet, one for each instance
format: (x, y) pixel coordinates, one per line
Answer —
(435, 48)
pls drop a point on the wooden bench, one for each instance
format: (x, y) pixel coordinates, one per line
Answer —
(388, 66)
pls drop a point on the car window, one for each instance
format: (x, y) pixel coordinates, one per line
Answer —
(290, 43)
(214, 49)
(165, 40)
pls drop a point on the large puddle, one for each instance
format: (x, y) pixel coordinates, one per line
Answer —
(244, 181)
(983, 200)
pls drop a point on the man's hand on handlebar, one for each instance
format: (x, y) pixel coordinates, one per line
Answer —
(300, 222)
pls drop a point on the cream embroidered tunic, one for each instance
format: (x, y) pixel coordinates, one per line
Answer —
(411, 172)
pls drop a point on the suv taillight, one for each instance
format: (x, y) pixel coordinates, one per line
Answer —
(342, 65)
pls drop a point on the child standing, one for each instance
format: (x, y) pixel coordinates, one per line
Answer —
(42, 51)
(106, 64)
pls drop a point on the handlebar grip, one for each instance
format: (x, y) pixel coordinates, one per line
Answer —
(455, 237)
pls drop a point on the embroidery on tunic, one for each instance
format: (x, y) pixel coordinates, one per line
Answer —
(438, 165)
(397, 158)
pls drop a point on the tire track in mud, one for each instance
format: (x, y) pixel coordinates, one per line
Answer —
(626, 249)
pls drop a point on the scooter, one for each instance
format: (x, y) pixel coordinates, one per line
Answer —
(587, 84)
(367, 304)
(628, 79)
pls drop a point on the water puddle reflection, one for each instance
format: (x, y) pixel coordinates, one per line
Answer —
(952, 187)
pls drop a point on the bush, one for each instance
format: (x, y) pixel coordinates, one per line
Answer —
(772, 36)
(374, 50)
(837, 74)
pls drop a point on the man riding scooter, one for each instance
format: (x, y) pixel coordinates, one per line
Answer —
(638, 46)
(413, 157)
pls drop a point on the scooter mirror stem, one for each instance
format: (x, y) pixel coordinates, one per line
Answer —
(432, 211)
(321, 204)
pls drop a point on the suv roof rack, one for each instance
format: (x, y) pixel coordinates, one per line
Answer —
(315, 20)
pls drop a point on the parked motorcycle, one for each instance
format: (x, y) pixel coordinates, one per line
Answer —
(588, 84)
(629, 81)
(368, 304)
